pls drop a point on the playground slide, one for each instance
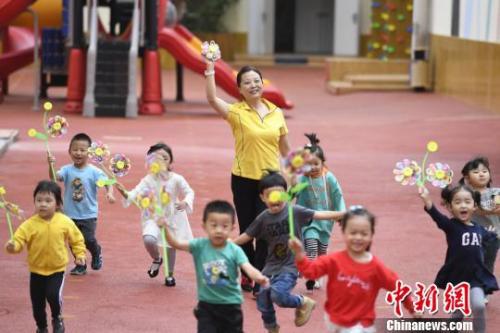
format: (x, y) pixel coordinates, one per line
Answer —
(186, 48)
(18, 42)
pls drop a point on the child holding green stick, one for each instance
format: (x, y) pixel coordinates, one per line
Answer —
(272, 225)
(161, 193)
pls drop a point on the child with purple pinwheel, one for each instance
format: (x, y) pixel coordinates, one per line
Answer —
(80, 194)
(161, 195)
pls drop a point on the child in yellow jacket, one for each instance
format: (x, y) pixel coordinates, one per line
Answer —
(45, 235)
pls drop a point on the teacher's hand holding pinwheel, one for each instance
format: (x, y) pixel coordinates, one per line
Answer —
(409, 172)
(53, 127)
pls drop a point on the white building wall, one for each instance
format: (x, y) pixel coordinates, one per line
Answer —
(441, 13)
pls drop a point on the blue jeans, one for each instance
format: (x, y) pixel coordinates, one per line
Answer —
(278, 293)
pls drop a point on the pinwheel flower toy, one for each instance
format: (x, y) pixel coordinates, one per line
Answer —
(57, 126)
(10, 209)
(409, 172)
(98, 152)
(439, 174)
(119, 166)
(296, 162)
(210, 51)
(54, 127)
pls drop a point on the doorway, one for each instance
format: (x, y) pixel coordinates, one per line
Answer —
(304, 26)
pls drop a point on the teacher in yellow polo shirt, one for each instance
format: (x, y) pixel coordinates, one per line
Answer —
(260, 137)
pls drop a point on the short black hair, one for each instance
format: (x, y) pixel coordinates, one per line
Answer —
(271, 178)
(160, 146)
(246, 69)
(81, 137)
(449, 192)
(359, 211)
(221, 207)
(474, 164)
(48, 186)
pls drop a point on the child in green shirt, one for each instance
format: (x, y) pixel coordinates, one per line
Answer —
(217, 263)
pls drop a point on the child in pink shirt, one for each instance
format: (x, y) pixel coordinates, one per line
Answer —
(355, 276)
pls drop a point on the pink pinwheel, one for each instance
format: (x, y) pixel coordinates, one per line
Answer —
(146, 202)
(57, 126)
(296, 162)
(210, 51)
(119, 165)
(407, 172)
(439, 174)
(98, 152)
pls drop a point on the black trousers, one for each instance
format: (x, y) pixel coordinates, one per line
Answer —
(42, 289)
(246, 198)
(219, 318)
(88, 227)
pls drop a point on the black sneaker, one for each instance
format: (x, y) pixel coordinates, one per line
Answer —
(79, 270)
(170, 281)
(58, 325)
(96, 263)
(310, 285)
(155, 267)
(42, 330)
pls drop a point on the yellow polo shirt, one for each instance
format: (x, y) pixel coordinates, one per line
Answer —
(256, 140)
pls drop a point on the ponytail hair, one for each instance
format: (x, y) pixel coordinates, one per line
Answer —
(313, 146)
(474, 164)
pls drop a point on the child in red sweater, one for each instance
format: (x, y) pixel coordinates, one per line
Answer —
(355, 276)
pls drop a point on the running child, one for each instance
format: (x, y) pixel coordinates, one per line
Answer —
(464, 257)
(217, 262)
(80, 196)
(272, 226)
(45, 236)
(355, 276)
(183, 196)
(323, 193)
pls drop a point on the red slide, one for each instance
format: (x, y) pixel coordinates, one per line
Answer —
(178, 43)
(18, 43)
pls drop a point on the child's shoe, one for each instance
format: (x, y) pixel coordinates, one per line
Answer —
(155, 267)
(42, 330)
(170, 281)
(96, 263)
(310, 286)
(275, 329)
(79, 270)
(246, 284)
(58, 325)
(303, 313)
(317, 284)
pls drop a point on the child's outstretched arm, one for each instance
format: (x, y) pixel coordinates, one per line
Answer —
(254, 274)
(426, 198)
(310, 269)
(328, 215)
(242, 239)
(176, 244)
(122, 190)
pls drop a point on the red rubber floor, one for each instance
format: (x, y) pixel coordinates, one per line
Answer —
(363, 135)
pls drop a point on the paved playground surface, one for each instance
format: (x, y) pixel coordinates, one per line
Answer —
(363, 136)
